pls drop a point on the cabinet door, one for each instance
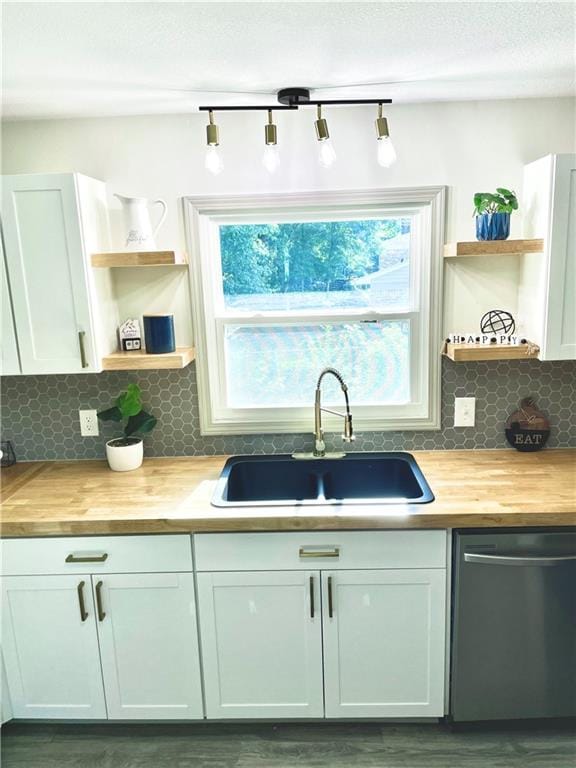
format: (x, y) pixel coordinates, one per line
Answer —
(51, 647)
(384, 643)
(5, 703)
(560, 338)
(9, 360)
(261, 644)
(149, 645)
(47, 272)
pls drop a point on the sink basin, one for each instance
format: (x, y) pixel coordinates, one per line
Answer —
(358, 478)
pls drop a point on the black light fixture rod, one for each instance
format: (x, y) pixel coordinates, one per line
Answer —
(235, 108)
(311, 103)
(323, 102)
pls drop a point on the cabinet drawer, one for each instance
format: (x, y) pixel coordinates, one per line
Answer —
(97, 554)
(331, 550)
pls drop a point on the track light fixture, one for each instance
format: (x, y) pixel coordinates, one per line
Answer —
(386, 151)
(213, 160)
(271, 158)
(294, 99)
(326, 155)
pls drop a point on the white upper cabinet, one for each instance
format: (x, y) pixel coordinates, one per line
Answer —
(149, 645)
(384, 642)
(50, 224)
(261, 644)
(547, 297)
(9, 359)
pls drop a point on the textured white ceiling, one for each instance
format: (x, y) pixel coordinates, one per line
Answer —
(124, 58)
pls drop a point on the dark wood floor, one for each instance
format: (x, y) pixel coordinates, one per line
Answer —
(324, 745)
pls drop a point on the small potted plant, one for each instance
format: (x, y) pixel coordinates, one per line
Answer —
(492, 212)
(126, 453)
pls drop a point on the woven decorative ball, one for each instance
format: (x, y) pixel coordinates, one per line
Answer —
(527, 429)
(498, 321)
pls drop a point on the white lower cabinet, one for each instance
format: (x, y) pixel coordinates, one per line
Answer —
(384, 642)
(51, 647)
(149, 645)
(95, 646)
(351, 625)
(261, 636)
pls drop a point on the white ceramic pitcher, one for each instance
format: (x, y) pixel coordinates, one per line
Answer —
(139, 235)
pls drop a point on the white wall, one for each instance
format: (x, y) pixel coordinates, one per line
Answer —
(468, 146)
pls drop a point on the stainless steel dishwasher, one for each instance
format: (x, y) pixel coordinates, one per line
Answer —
(513, 625)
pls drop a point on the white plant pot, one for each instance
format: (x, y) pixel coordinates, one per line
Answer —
(123, 458)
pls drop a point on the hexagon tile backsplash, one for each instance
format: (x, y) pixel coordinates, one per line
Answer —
(40, 413)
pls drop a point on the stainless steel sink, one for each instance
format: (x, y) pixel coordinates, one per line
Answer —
(357, 478)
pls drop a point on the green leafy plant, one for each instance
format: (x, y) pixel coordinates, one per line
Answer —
(128, 409)
(502, 201)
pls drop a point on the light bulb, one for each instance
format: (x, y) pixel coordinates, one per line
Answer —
(326, 155)
(271, 158)
(213, 161)
(386, 152)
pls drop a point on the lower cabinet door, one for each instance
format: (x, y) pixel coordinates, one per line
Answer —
(50, 647)
(149, 645)
(261, 639)
(384, 635)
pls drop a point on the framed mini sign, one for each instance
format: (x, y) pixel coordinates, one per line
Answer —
(130, 336)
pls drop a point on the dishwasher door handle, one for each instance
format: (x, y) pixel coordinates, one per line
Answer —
(474, 557)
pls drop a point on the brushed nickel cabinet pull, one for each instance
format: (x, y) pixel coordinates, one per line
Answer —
(83, 611)
(319, 552)
(330, 603)
(101, 614)
(311, 597)
(83, 360)
(87, 559)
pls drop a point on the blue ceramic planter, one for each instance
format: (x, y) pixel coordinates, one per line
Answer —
(493, 226)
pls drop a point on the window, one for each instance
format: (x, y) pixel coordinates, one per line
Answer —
(285, 285)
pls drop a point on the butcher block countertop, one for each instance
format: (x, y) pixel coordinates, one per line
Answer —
(472, 489)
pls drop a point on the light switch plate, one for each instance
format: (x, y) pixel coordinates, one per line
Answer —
(88, 423)
(464, 411)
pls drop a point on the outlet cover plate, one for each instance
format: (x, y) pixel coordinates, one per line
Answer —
(464, 411)
(88, 423)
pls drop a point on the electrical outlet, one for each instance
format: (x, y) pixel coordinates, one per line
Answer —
(88, 423)
(464, 411)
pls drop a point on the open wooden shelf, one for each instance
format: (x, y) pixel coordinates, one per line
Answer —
(140, 259)
(492, 248)
(140, 361)
(461, 353)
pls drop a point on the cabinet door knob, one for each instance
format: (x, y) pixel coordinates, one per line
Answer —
(87, 558)
(335, 552)
(83, 611)
(311, 597)
(83, 359)
(101, 614)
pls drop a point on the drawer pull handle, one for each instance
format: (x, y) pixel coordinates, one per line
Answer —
(83, 611)
(101, 614)
(311, 597)
(330, 601)
(87, 559)
(83, 360)
(320, 552)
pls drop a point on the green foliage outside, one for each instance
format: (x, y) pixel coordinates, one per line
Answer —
(279, 365)
(302, 257)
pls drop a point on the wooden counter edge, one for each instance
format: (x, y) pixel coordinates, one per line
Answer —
(274, 524)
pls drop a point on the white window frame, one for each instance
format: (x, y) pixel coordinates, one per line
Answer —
(202, 217)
